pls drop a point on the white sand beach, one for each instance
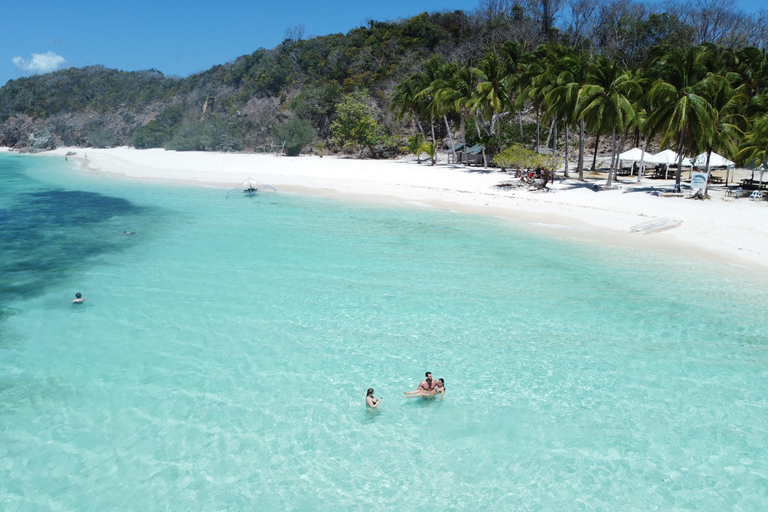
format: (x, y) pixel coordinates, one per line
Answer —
(724, 229)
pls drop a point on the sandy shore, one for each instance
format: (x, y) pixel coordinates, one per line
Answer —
(724, 229)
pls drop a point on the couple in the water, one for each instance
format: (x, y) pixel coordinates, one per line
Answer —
(428, 387)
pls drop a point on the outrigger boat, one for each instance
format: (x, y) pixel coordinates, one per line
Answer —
(250, 187)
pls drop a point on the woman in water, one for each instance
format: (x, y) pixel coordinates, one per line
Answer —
(440, 388)
(372, 402)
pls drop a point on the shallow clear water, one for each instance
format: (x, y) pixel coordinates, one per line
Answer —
(222, 357)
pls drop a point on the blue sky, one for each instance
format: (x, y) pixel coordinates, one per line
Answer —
(174, 36)
(181, 37)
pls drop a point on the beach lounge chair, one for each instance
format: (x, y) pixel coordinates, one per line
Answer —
(756, 195)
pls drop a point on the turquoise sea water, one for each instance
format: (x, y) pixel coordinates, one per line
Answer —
(222, 358)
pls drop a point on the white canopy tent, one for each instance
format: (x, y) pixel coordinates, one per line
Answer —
(715, 160)
(667, 158)
(633, 155)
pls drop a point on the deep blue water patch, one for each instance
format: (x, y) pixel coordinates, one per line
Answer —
(46, 234)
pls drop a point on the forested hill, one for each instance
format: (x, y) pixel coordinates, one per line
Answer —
(298, 89)
(238, 104)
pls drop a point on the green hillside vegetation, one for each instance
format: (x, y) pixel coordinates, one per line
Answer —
(508, 73)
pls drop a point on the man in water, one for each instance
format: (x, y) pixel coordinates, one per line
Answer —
(78, 298)
(426, 387)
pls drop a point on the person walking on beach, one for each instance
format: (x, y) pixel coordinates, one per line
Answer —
(426, 387)
(372, 402)
(79, 298)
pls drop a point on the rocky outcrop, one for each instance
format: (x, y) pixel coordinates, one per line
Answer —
(86, 129)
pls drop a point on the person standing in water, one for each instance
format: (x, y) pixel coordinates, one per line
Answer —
(372, 402)
(440, 388)
(426, 387)
(78, 298)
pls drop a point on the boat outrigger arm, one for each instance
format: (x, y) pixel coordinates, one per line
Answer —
(250, 187)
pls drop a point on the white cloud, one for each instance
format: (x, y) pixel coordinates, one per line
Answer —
(40, 63)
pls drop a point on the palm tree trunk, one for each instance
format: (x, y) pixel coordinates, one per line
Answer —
(421, 129)
(581, 150)
(498, 134)
(520, 120)
(450, 137)
(565, 171)
(621, 148)
(538, 136)
(463, 139)
(642, 160)
(432, 124)
(554, 143)
(549, 135)
(679, 173)
(613, 153)
(709, 173)
(594, 157)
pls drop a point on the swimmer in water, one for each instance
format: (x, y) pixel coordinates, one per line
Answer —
(78, 298)
(372, 402)
(129, 232)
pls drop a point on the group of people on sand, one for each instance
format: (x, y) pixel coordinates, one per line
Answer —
(427, 388)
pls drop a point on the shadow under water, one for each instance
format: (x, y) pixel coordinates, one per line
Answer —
(45, 235)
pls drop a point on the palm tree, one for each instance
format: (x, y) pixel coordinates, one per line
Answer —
(570, 74)
(491, 95)
(405, 101)
(754, 148)
(458, 91)
(607, 102)
(413, 145)
(514, 57)
(723, 130)
(430, 148)
(751, 65)
(678, 96)
(439, 104)
(424, 80)
(533, 88)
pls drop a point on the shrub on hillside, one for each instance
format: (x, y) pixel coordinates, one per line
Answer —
(355, 125)
(101, 138)
(201, 136)
(296, 133)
